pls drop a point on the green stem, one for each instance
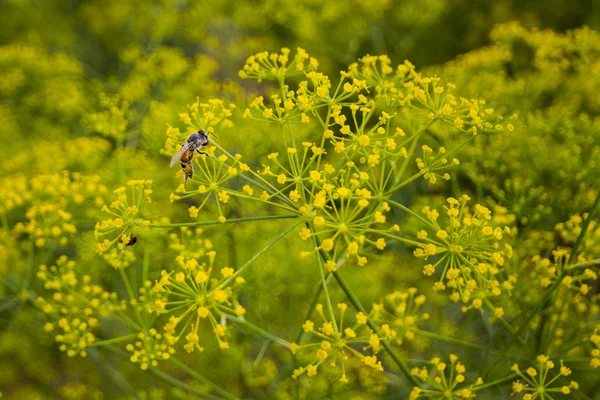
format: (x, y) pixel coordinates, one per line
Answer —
(132, 298)
(313, 304)
(497, 382)
(146, 265)
(9, 304)
(509, 328)
(411, 212)
(250, 261)
(202, 379)
(228, 221)
(584, 264)
(452, 340)
(259, 331)
(169, 379)
(404, 183)
(260, 178)
(115, 340)
(412, 149)
(388, 347)
(322, 277)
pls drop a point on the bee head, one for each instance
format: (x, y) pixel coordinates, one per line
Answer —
(203, 132)
(203, 135)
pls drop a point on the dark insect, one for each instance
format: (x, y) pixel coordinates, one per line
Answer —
(132, 241)
(185, 155)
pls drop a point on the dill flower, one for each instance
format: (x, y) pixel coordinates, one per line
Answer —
(570, 230)
(211, 115)
(537, 380)
(75, 306)
(14, 193)
(113, 121)
(467, 249)
(405, 313)
(195, 291)
(150, 348)
(48, 223)
(443, 380)
(49, 220)
(346, 201)
(190, 243)
(212, 182)
(273, 66)
(548, 270)
(115, 235)
(332, 344)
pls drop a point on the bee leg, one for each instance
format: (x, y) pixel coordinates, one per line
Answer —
(191, 174)
(186, 177)
(188, 172)
(204, 153)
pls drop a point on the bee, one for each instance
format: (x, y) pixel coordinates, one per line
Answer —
(185, 155)
(132, 241)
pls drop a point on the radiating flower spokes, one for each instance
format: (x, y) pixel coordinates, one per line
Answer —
(274, 66)
(468, 245)
(402, 311)
(114, 235)
(334, 344)
(443, 381)
(539, 381)
(191, 293)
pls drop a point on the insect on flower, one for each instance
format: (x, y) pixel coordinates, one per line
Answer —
(185, 155)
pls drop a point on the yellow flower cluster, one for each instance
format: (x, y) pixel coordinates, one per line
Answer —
(570, 230)
(57, 197)
(150, 348)
(115, 235)
(213, 114)
(190, 294)
(190, 243)
(468, 249)
(444, 380)
(113, 121)
(48, 223)
(332, 344)
(377, 72)
(275, 66)
(50, 157)
(58, 80)
(548, 270)
(211, 182)
(75, 307)
(344, 203)
(404, 86)
(15, 192)
(404, 313)
(538, 382)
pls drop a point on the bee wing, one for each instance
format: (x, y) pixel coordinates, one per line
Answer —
(177, 156)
